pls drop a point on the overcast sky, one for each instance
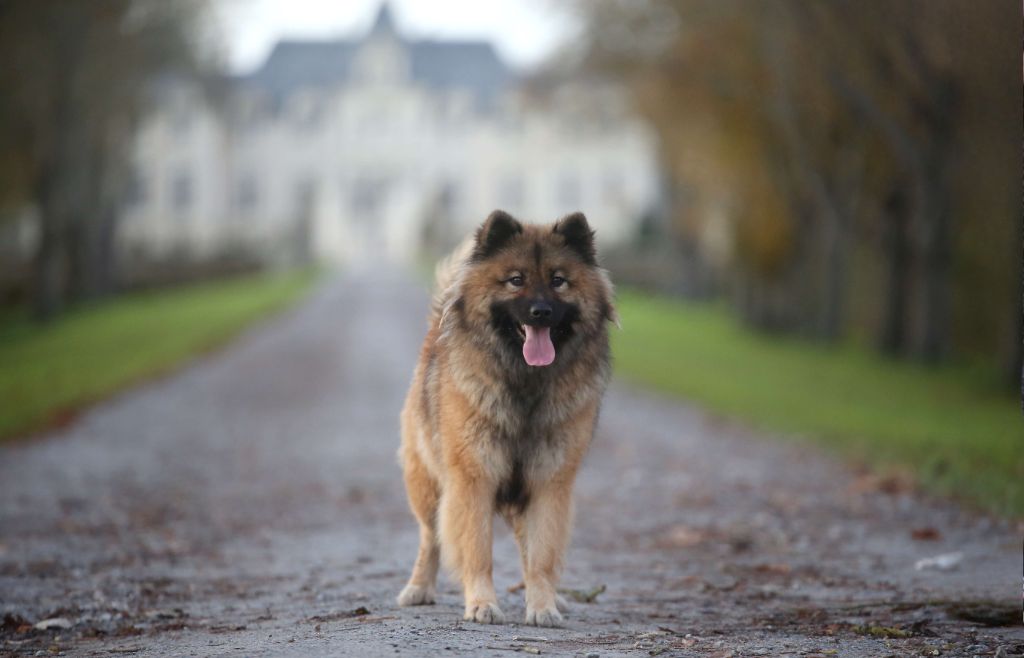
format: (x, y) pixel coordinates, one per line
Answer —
(524, 31)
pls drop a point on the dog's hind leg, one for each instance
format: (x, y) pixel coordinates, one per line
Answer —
(423, 499)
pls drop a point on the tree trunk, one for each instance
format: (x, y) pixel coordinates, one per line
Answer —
(106, 251)
(50, 262)
(1014, 372)
(1015, 353)
(937, 274)
(53, 192)
(893, 339)
(937, 258)
(95, 247)
(837, 249)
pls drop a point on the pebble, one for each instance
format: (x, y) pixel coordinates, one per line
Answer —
(944, 562)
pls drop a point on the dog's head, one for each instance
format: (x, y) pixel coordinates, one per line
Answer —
(536, 290)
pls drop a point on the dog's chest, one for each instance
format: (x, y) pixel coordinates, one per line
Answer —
(522, 460)
(518, 419)
(518, 456)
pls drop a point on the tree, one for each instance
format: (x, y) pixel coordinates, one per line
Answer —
(841, 132)
(75, 78)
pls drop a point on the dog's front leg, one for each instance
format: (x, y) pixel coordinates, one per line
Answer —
(544, 529)
(467, 515)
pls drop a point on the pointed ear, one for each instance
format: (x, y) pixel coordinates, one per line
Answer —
(496, 231)
(578, 236)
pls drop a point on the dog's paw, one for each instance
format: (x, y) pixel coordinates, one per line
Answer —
(561, 603)
(416, 595)
(484, 612)
(549, 617)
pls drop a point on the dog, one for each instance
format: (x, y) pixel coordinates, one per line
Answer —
(502, 407)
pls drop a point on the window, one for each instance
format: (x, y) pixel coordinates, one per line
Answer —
(247, 194)
(369, 195)
(181, 192)
(249, 112)
(304, 196)
(306, 113)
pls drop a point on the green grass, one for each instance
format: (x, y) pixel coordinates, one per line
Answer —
(951, 427)
(48, 371)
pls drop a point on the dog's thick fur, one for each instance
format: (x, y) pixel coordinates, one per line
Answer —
(483, 431)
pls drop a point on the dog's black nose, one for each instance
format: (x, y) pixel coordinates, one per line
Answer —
(540, 310)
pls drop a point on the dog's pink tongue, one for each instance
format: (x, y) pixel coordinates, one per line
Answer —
(538, 350)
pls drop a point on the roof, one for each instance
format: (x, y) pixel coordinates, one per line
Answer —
(294, 65)
(384, 22)
(442, 65)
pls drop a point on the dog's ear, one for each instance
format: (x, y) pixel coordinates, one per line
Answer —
(611, 314)
(496, 231)
(608, 310)
(578, 236)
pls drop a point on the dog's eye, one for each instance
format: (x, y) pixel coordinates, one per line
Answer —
(558, 281)
(516, 281)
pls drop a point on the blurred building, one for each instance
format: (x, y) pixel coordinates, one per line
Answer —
(377, 145)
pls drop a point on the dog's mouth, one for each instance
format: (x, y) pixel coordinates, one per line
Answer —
(538, 350)
(537, 339)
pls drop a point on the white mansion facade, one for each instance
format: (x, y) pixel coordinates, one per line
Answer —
(368, 147)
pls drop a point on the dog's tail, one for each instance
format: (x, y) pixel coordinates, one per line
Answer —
(446, 278)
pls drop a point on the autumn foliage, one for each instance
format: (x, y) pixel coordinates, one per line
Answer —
(861, 158)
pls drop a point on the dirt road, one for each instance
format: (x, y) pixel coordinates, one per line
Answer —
(251, 504)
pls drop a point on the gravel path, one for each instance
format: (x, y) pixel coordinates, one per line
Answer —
(251, 504)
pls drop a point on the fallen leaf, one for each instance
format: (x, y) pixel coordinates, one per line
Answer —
(776, 569)
(16, 623)
(580, 596)
(925, 534)
(682, 536)
(347, 614)
(892, 483)
(882, 631)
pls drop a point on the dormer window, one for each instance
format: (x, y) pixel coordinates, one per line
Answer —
(181, 192)
(383, 57)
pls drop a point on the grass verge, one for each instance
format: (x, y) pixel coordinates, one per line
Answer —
(951, 427)
(47, 372)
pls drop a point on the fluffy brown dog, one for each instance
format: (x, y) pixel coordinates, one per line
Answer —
(502, 407)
